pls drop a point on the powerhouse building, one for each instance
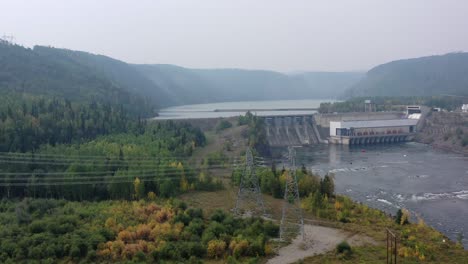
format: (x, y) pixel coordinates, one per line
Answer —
(372, 131)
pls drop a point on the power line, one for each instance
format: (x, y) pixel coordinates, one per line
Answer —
(111, 160)
(108, 181)
(82, 183)
(164, 168)
(137, 173)
(29, 154)
(72, 163)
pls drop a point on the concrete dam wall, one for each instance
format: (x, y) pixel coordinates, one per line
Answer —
(291, 131)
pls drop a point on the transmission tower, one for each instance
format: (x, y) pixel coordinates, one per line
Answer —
(249, 197)
(292, 222)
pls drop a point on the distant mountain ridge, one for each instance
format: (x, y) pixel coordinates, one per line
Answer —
(425, 76)
(82, 76)
(219, 85)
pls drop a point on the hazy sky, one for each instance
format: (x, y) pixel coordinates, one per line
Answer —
(254, 34)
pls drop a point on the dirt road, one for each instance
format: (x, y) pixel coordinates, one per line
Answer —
(318, 240)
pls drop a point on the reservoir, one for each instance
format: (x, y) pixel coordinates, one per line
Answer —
(230, 109)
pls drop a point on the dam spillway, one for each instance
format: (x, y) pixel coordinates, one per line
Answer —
(291, 130)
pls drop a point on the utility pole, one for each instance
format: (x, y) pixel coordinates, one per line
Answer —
(292, 221)
(249, 197)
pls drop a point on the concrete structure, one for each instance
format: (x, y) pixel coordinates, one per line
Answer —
(291, 130)
(324, 120)
(413, 109)
(372, 131)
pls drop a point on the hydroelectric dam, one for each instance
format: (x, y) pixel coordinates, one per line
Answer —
(338, 128)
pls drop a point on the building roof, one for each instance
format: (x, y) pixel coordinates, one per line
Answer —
(377, 123)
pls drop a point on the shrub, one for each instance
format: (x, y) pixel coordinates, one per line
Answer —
(270, 229)
(447, 136)
(195, 227)
(218, 216)
(343, 247)
(195, 212)
(196, 250)
(37, 227)
(140, 256)
(238, 247)
(465, 141)
(402, 217)
(222, 125)
(216, 248)
(151, 196)
(167, 251)
(216, 228)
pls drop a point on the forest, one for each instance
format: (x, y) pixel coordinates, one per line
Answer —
(107, 166)
(42, 72)
(392, 103)
(27, 122)
(51, 231)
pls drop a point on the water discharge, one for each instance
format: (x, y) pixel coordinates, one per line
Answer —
(430, 183)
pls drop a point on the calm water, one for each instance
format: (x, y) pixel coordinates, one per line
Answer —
(428, 182)
(222, 109)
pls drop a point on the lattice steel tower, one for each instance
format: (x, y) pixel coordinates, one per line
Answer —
(249, 197)
(292, 221)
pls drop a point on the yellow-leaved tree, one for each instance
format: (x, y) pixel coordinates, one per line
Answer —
(151, 196)
(216, 248)
(139, 188)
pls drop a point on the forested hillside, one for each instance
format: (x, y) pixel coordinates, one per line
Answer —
(51, 74)
(218, 85)
(118, 73)
(27, 122)
(426, 76)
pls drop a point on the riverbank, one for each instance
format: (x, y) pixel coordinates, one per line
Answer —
(446, 131)
(418, 240)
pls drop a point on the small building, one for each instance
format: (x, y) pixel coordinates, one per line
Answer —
(464, 108)
(372, 131)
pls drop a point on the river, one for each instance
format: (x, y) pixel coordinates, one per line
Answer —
(430, 183)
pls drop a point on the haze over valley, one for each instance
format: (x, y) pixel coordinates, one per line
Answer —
(233, 132)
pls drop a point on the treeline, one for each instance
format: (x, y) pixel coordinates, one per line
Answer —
(27, 122)
(272, 182)
(52, 231)
(386, 103)
(255, 133)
